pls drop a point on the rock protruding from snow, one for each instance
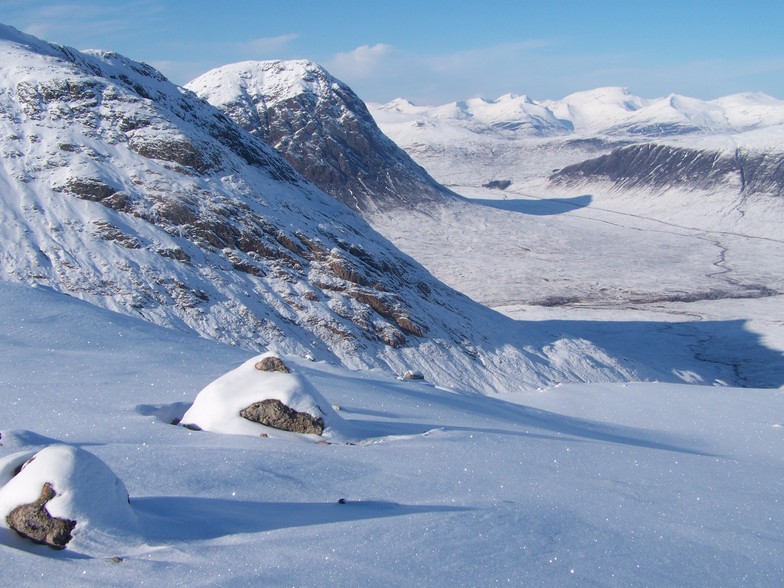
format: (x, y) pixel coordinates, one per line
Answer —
(272, 363)
(273, 413)
(251, 401)
(323, 129)
(66, 484)
(34, 522)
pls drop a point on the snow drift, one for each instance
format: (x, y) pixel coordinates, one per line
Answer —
(217, 407)
(84, 490)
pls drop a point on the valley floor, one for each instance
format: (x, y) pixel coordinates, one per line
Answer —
(601, 267)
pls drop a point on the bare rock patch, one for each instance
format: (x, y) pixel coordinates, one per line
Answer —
(273, 413)
(272, 364)
(34, 522)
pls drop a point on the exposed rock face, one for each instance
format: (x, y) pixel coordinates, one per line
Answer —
(273, 413)
(324, 131)
(662, 166)
(272, 364)
(35, 523)
(497, 184)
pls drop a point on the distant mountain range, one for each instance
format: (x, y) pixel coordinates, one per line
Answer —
(670, 152)
(604, 111)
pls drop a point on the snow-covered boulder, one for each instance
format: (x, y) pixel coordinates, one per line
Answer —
(34, 522)
(238, 402)
(63, 493)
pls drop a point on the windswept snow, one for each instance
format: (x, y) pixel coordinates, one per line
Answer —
(608, 485)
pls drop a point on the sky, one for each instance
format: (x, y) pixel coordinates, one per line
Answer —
(441, 51)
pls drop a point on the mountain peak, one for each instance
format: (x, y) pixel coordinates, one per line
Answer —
(323, 129)
(275, 80)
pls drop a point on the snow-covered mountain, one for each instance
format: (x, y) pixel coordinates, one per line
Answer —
(602, 111)
(504, 259)
(126, 191)
(121, 189)
(324, 131)
(606, 143)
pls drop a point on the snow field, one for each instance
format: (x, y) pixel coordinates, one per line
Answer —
(606, 484)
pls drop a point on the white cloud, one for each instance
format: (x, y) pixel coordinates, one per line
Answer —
(267, 44)
(365, 61)
(542, 69)
(381, 72)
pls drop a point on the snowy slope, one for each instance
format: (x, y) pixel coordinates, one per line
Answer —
(602, 485)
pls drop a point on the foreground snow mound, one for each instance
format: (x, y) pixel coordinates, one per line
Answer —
(218, 406)
(73, 485)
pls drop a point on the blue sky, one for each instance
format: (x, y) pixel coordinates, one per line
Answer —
(440, 51)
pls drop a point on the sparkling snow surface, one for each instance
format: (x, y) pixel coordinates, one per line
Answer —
(637, 484)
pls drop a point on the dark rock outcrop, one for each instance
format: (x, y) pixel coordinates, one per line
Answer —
(272, 364)
(664, 166)
(273, 413)
(35, 523)
(497, 184)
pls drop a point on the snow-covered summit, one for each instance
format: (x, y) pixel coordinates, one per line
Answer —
(274, 80)
(509, 113)
(324, 131)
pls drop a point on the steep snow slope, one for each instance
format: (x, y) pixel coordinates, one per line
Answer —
(324, 131)
(600, 485)
(133, 194)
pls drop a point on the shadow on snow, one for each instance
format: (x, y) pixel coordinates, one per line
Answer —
(538, 206)
(183, 518)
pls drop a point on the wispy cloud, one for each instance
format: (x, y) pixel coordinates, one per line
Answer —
(266, 45)
(541, 68)
(379, 69)
(69, 20)
(366, 60)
